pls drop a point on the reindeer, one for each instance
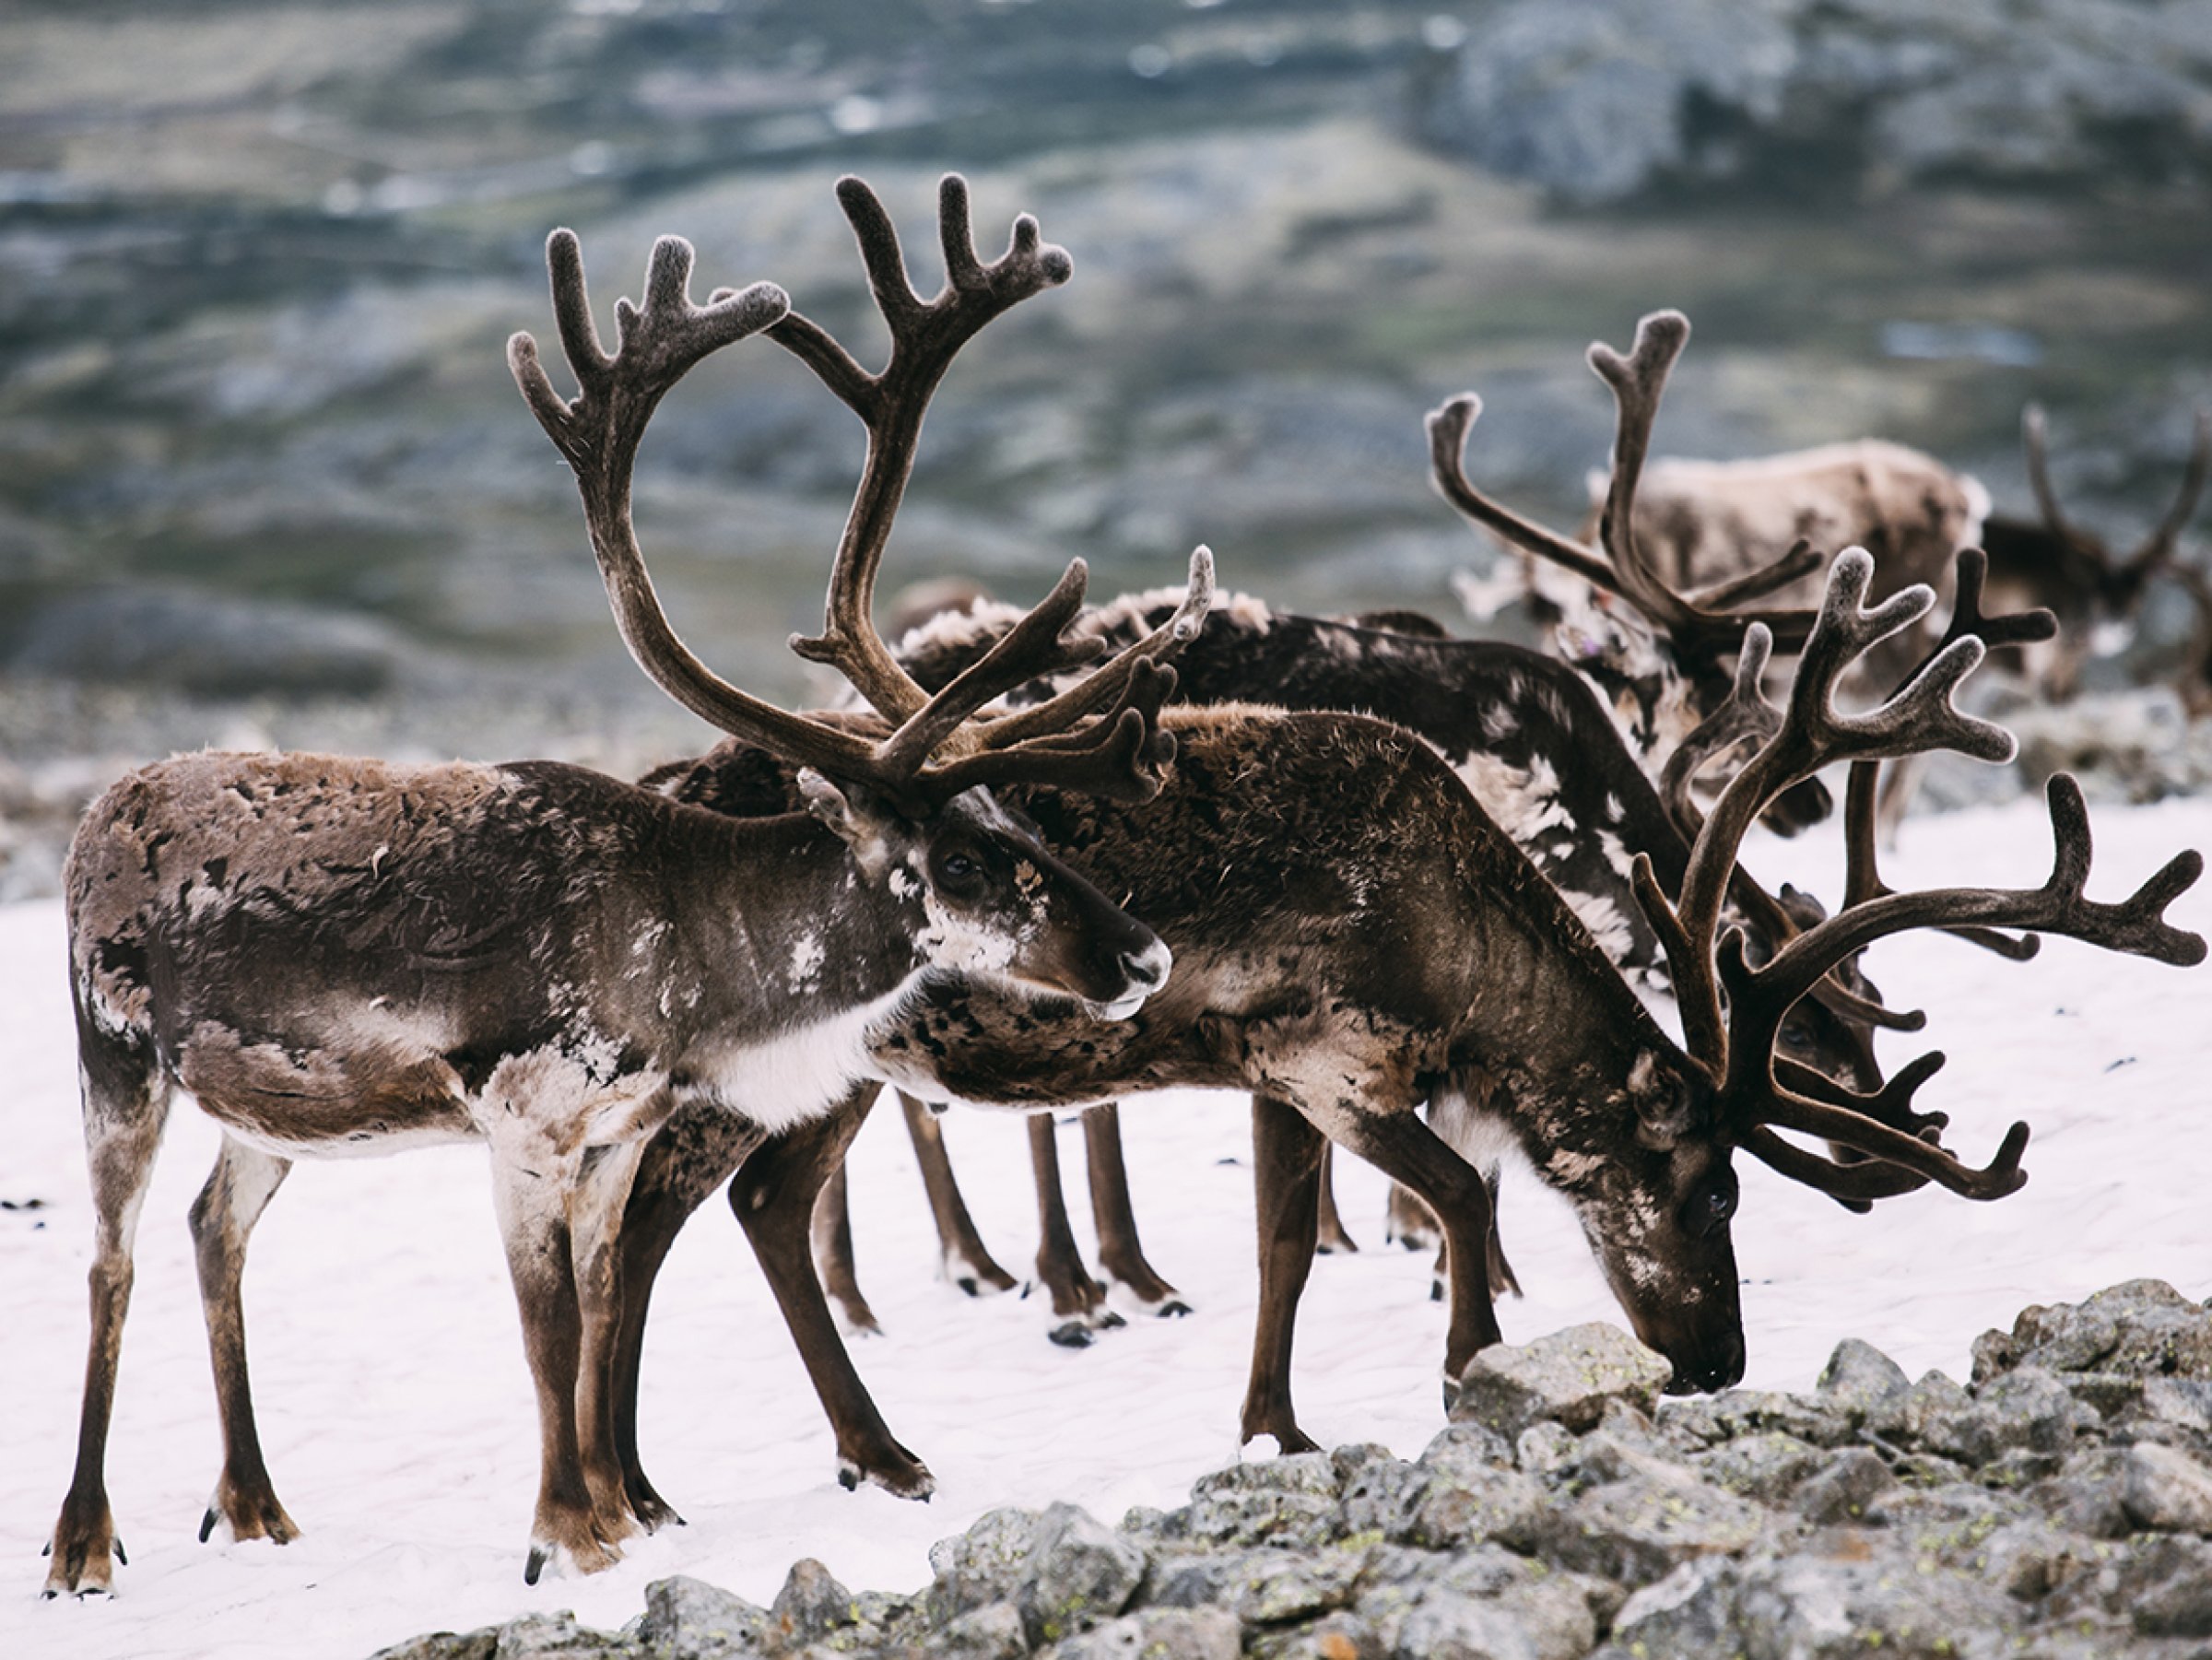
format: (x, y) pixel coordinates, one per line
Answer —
(1354, 937)
(338, 957)
(1528, 737)
(2097, 594)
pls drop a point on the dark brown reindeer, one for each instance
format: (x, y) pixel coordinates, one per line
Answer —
(339, 956)
(1353, 937)
(2097, 592)
(1529, 738)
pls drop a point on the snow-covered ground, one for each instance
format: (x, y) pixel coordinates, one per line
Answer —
(397, 1413)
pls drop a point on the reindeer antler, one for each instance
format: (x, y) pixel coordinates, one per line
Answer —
(1121, 751)
(1698, 625)
(1756, 1093)
(2156, 549)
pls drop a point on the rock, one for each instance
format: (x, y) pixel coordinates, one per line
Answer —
(2144, 1328)
(1690, 1612)
(986, 1564)
(1859, 1376)
(1079, 1574)
(558, 1637)
(2165, 1589)
(1823, 1421)
(1448, 1626)
(811, 1604)
(2088, 1496)
(2032, 1408)
(2165, 1489)
(1266, 1587)
(689, 1619)
(994, 1632)
(480, 1644)
(1269, 1501)
(1332, 1637)
(1543, 1448)
(1158, 1634)
(1568, 1378)
(1641, 1529)
(1768, 1467)
(1843, 1487)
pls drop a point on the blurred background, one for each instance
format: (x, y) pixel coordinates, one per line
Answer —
(264, 476)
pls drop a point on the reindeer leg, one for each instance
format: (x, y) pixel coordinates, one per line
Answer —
(1406, 1149)
(773, 1196)
(1286, 1166)
(126, 1104)
(831, 1231)
(1079, 1300)
(533, 1213)
(1120, 1253)
(1410, 1222)
(596, 1206)
(1331, 1236)
(1500, 1272)
(967, 1264)
(239, 1187)
(687, 1159)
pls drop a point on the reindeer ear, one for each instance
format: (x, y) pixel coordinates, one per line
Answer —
(853, 812)
(1666, 1105)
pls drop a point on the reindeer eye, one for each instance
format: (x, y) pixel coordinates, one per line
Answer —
(1707, 1212)
(959, 866)
(1794, 1035)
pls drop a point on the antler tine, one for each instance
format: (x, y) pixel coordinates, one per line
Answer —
(1802, 560)
(2157, 548)
(925, 336)
(1639, 383)
(1743, 715)
(1120, 754)
(1449, 424)
(1852, 1186)
(599, 430)
(2135, 926)
(1033, 646)
(1104, 685)
(2033, 428)
(1863, 880)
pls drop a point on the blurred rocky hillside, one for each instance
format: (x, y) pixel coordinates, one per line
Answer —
(262, 475)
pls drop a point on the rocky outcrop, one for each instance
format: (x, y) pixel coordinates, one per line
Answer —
(2059, 1504)
(1600, 100)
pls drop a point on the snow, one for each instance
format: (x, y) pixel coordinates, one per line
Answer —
(398, 1414)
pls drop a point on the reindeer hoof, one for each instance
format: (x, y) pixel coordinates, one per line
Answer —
(534, 1565)
(1108, 1320)
(1072, 1334)
(1436, 1290)
(1173, 1309)
(207, 1524)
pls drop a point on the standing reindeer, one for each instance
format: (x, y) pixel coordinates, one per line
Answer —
(1353, 937)
(338, 956)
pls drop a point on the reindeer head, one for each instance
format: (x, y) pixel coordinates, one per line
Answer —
(910, 798)
(1733, 1011)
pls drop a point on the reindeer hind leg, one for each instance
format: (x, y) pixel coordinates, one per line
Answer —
(125, 1107)
(1079, 1301)
(1121, 1254)
(238, 1189)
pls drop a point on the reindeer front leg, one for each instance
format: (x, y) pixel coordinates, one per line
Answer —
(1286, 1163)
(774, 1196)
(685, 1160)
(595, 1206)
(240, 1186)
(533, 1225)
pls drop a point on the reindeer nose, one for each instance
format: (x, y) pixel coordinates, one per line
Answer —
(1147, 968)
(1720, 1367)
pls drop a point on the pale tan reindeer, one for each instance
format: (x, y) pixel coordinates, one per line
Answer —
(339, 956)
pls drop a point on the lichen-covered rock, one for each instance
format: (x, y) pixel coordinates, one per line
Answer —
(1859, 1376)
(689, 1619)
(1447, 1625)
(1080, 1573)
(1768, 1467)
(1568, 1378)
(1264, 1586)
(994, 1632)
(1283, 1500)
(811, 1604)
(1332, 1637)
(1641, 1529)
(986, 1564)
(479, 1644)
(2165, 1589)
(2144, 1328)
(1843, 1486)
(2164, 1488)
(1825, 1422)
(1157, 1634)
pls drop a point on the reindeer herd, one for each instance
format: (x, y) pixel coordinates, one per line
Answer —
(1397, 887)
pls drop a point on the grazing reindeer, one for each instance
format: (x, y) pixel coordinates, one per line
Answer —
(2097, 594)
(1529, 738)
(338, 956)
(1353, 937)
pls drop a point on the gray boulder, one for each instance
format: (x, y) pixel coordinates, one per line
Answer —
(1568, 1377)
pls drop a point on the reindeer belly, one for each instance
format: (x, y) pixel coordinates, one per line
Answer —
(320, 1101)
